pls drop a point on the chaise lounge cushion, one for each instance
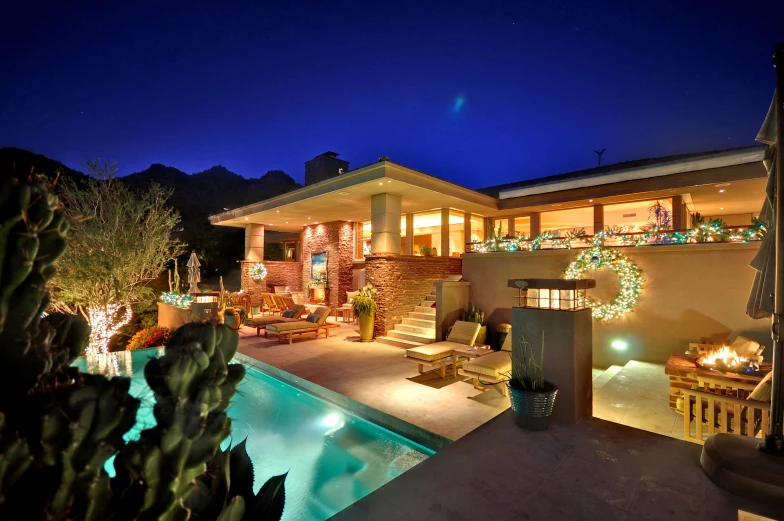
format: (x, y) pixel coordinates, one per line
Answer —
(431, 352)
(496, 365)
(291, 326)
(464, 333)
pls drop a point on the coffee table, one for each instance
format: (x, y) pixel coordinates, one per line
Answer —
(468, 353)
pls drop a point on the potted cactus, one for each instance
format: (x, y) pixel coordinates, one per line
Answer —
(477, 315)
(531, 396)
(365, 308)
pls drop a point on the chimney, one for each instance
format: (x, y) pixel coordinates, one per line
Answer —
(324, 166)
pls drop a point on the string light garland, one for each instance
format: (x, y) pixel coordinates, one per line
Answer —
(105, 322)
(258, 271)
(181, 300)
(630, 277)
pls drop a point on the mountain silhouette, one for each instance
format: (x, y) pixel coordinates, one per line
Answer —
(195, 196)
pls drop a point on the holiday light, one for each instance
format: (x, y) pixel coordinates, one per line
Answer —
(104, 324)
(258, 271)
(177, 299)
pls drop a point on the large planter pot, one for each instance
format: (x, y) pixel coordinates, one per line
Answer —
(481, 337)
(532, 408)
(366, 323)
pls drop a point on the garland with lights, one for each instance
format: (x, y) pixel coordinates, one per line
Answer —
(258, 271)
(177, 299)
(630, 278)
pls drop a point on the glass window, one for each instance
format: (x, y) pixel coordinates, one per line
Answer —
(500, 227)
(522, 226)
(564, 221)
(362, 234)
(477, 228)
(639, 215)
(427, 232)
(456, 233)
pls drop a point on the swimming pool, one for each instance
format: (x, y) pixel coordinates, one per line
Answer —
(333, 457)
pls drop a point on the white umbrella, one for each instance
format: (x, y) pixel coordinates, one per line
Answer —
(194, 276)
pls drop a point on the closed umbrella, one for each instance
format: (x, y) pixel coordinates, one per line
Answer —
(194, 276)
(767, 292)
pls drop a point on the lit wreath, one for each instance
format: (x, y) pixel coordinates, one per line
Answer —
(258, 271)
(630, 278)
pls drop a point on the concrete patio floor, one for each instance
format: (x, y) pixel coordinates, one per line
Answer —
(596, 470)
(378, 376)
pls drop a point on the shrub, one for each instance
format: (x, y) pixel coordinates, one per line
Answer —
(150, 337)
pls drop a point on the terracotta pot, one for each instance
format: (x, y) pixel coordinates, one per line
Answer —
(366, 323)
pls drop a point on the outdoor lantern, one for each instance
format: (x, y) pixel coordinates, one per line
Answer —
(556, 294)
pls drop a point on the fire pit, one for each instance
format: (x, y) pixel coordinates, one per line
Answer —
(726, 360)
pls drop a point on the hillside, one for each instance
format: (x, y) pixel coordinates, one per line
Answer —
(195, 196)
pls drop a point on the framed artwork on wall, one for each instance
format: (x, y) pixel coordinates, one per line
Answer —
(318, 266)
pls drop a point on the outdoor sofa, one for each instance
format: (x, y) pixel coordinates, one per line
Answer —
(314, 323)
(261, 322)
(463, 334)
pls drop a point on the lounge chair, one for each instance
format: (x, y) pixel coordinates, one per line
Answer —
(492, 368)
(261, 322)
(269, 304)
(315, 323)
(279, 302)
(463, 334)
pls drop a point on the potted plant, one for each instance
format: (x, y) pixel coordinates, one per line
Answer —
(532, 397)
(477, 315)
(365, 308)
(427, 251)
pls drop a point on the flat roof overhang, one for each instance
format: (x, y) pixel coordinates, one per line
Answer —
(347, 198)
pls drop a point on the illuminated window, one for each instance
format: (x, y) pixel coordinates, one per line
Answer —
(564, 221)
(522, 226)
(477, 228)
(639, 215)
(500, 227)
(456, 233)
(427, 232)
(362, 234)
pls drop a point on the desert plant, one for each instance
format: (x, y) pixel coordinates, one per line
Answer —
(59, 427)
(365, 301)
(526, 371)
(475, 314)
(149, 337)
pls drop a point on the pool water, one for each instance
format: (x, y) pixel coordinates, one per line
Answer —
(332, 457)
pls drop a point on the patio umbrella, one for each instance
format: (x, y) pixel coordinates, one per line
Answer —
(194, 277)
(767, 292)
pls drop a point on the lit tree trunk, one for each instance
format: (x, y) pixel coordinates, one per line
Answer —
(105, 322)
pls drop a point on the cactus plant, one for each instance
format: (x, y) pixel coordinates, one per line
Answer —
(477, 315)
(59, 427)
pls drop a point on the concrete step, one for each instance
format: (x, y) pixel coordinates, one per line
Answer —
(605, 377)
(413, 337)
(425, 309)
(432, 297)
(398, 342)
(429, 323)
(426, 330)
(423, 316)
(427, 304)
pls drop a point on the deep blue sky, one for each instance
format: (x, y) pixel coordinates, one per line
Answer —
(266, 85)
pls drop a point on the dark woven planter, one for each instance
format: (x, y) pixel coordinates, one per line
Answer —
(532, 408)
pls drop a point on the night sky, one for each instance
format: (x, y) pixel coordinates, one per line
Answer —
(479, 93)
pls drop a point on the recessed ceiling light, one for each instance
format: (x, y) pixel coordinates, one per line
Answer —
(344, 193)
(389, 181)
(721, 208)
(308, 218)
(277, 211)
(270, 224)
(287, 222)
(381, 183)
(721, 191)
(246, 218)
(316, 222)
(590, 200)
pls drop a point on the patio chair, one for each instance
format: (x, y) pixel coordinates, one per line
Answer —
(713, 408)
(493, 368)
(269, 304)
(463, 334)
(279, 302)
(315, 323)
(261, 322)
(288, 302)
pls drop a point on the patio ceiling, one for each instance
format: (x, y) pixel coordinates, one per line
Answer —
(347, 198)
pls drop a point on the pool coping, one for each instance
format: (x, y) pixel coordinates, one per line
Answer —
(427, 439)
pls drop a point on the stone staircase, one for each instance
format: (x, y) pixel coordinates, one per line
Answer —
(418, 328)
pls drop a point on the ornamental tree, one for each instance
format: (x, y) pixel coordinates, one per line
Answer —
(118, 241)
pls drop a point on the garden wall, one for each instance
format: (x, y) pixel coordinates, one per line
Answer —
(279, 273)
(337, 239)
(691, 292)
(402, 282)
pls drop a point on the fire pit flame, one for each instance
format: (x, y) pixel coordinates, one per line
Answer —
(722, 359)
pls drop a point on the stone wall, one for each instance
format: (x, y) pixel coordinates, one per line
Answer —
(279, 273)
(337, 239)
(403, 281)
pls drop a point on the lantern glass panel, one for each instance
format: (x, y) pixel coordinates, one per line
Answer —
(533, 298)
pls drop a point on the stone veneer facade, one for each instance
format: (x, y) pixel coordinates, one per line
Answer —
(337, 239)
(402, 282)
(279, 273)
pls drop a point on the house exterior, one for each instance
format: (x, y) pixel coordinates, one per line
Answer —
(401, 229)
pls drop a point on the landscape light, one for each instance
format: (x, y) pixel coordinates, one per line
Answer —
(619, 345)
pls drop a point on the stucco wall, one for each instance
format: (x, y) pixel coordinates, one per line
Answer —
(402, 282)
(691, 292)
(279, 273)
(337, 239)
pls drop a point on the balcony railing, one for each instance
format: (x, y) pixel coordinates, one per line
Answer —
(619, 237)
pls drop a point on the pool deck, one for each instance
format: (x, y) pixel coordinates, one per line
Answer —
(376, 375)
(596, 470)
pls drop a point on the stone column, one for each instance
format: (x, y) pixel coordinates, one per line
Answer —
(385, 210)
(409, 234)
(466, 228)
(536, 224)
(254, 242)
(678, 215)
(444, 251)
(598, 218)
